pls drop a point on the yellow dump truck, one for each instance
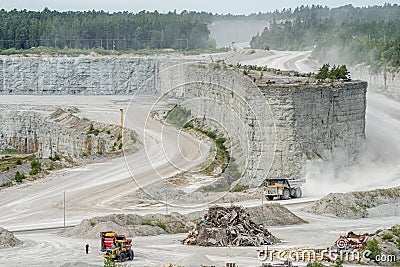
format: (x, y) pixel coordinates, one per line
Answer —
(282, 188)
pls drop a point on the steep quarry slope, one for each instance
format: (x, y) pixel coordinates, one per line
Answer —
(62, 133)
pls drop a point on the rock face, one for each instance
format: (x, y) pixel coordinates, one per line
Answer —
(314, 121)
(61, 133)
(81, 75)
(385, 80)
(272, 129)
(7, 239)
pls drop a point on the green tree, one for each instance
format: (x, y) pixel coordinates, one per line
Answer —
(19, 177)
(323, 72)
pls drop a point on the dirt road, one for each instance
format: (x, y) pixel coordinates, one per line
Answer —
(92, 189)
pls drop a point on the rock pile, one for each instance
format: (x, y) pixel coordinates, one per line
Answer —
(7, 239)
(359, 204)
(231, 226)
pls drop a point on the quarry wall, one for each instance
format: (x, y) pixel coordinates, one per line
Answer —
(315, 121)
(385, 80)
(59, 133)
(272, 129)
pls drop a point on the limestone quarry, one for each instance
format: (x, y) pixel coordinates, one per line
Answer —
(124, 166)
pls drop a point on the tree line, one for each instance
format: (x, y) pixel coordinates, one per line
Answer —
(344, 35)
(98, 29)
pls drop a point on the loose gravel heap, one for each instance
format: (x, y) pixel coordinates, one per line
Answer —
(132, 225)
(7, 239)
(230, 226)
(354, 205)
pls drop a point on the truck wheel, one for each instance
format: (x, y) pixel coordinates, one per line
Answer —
(298, 193)
(285, 194)
(122, 257)
(270, 197)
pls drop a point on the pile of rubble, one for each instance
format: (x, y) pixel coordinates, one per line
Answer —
(231, 226)
(7, 239)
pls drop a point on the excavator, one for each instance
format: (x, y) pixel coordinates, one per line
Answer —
(116, 247)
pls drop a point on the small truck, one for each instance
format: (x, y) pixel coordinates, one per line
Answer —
(282, 188)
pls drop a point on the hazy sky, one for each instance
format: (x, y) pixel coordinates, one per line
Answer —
(215, 6)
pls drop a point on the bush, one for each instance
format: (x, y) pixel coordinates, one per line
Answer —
(92, 130)
(18, 162)
(339, 263)
(162, 225)
(120, 146)
(36, 167)
(240, 188)
(19, 177)
(147, 222)
(55, 158)
(109, 263)
(387, 237)
(396, 230)
(178, 116)
(373, 247)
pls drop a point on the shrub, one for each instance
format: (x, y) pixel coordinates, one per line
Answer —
(19, 177)
(18, 162)
(55, 158)
(240, 188)
(162, 225)
(396, 230)
(36, 167)
(178, 116)
(373, 247)
(147, 222)
(339, 263)
(387, 236)
(109, 263)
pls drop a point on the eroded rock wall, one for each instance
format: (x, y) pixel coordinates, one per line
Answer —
(60, 133)
(80, 75)
(314, 121)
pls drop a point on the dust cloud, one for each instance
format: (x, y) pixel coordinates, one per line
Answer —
(376, 166)
(239, 31)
